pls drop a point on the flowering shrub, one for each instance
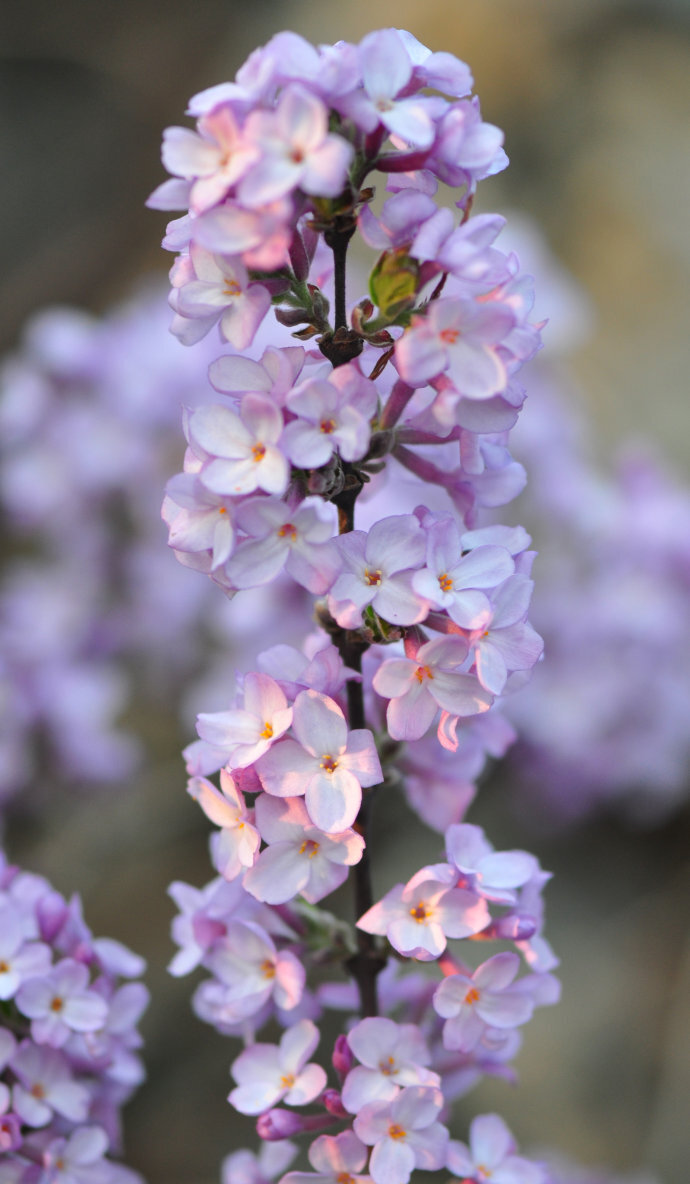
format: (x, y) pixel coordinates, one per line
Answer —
(421, 619)
(69, 1006)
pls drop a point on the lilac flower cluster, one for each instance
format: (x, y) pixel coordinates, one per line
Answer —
(69, 1008)
(421, 619)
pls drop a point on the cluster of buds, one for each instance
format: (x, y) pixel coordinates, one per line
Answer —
(69, 1009)
(421, 620)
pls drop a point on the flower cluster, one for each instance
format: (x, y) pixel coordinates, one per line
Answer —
(421, 618)
(69, 1004)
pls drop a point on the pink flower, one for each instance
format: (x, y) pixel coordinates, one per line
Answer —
(404, 1134)
(250, 972)
(240, 450)
(300, 858)
(297, 150)
(46, 1085)
(418, 686)
(491, 874)
(295, 538)
(239, 840)
(458, 336)
(241, 735)
(419, 916)
(490, 1156)
(378, 572)
(270, 1073)
(472, 1003)
(332, 414)
(213, 159)
(337, 1158)
(199, 520)
(218, 289)
(391, 1055)
(60, 1002)
(329, 765)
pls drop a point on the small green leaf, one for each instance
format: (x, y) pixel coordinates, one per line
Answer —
(393, 283)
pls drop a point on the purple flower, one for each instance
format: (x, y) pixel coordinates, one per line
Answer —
(460, 337)
(327, 763)
(391, 1056)
(241, 451)
(378, 572)
(337, 1159)
(490, 1156)
(419, 916)
(299, 858)
(404, 1134)
(472, 1003)
(60, 1002)
(270, 1073)
(418, 686)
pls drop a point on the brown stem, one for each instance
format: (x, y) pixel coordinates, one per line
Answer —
(366, 964)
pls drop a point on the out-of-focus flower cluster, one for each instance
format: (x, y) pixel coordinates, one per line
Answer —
(69, 1008)
(612, 606)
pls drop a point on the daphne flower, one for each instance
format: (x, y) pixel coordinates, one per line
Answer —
(418, 917)
(472, 1003)
(391, 1056)
(242, 734)
(490, 1156)
(460, 337)
(418, 686)
(217, 290)
(250, 972)
(238, 840)
(296, 150)
(378, 571)
(214, 159)
(270, 1073)
(295, 538)
(60, 1002)
(329, 765)
(337, 1159)
(492, 874)
(46, 1085)
(240, 449)
(299, 858)
(404, 1134)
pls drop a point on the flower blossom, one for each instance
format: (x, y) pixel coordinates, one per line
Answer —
(327, 764)
(270, 1073)
(300, 858)
(418, 917)
(404, 1134)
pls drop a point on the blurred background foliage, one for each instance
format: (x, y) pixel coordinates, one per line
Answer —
(594, 98)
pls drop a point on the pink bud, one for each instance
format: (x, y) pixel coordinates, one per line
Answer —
(333, 1104)
(343, 1058)
(278, 1124)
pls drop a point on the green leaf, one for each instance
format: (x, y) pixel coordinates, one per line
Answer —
(393, 283)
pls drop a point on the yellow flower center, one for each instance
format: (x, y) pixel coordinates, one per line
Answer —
(232, 288)
(445, 582)
(472, 995)
(388, 1066)
(373, 578)
(287, 531)
(268, 969)
(396, 1132)
(422, 672)
(259, 452)
(328, 763)
(327, 426)
(267, 732)
(309, 848)
(420, 912)
(450, 336)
